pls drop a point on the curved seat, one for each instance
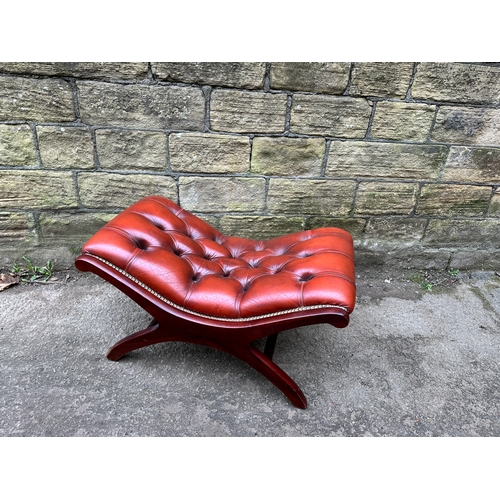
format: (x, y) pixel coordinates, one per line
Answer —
(226, 292)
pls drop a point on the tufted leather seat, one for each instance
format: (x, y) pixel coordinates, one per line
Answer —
(196, 267)
(196, 270)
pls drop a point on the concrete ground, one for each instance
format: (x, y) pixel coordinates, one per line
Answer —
(421, 357)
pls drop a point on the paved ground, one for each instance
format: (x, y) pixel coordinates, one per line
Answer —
(412, 362)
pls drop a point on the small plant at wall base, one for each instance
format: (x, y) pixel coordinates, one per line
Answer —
(30, 273)
(429, 279)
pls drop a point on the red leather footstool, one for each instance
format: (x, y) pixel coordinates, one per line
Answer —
(225, 292)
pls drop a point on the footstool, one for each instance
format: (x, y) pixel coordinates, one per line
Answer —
(225, 292)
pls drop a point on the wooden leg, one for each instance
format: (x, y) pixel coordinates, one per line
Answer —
(153, 334)
(270, 345)
(258, 360)
(265, 366)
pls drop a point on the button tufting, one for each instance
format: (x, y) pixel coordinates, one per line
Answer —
(306, 277)
(140, 244)
(273, 272)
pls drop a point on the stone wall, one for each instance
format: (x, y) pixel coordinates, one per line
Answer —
(406, 156)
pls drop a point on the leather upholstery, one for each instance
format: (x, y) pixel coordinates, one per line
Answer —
(190, 263)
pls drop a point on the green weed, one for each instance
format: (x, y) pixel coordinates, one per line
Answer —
(29, 273)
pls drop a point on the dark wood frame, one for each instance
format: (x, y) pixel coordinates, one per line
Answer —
(171, 324)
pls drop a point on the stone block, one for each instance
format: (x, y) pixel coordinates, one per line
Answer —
(40, 100)
(390, 160)
(17, 229)
(394, 231)
(108, 70)
(461, 233)
(36, 189)
(287, 156)
(457, 82)
(317, 77)
(402, 121)
(260, 227)
(66, 147)
(17, 147)
(118, 191)
(465, 164)
(381, 79)
(329, 116)
(247, 75)
(413, 256)
(385, 198)
(71, 230)
(141, 106)
(247, 112)
(222, 194)
(487, 260)
(453, 200)
(494, 208)
(209, 153)
(131, 150)
(354, 225)
(462, 125)
(310, 197)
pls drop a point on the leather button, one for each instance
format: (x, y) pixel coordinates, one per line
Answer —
(306, 277)
(140, 244)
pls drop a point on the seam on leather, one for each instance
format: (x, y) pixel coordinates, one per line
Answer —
(217, 318)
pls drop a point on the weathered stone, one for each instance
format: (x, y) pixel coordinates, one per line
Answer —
(36, 189)
(467, 126)
(318, 77)
(247, 112)
(494, 208)
(260, 228)
(472, 165)
(104, 190)
(402, 121)
(45, 100)
(108, 70)
(400, 232)
(413, 256)
(71, 230)
(354, 225)
(287, 156)
(381, 79)
(330, 116)
(222, 194)
(460, 233)
(131, 150)
(391, 160)
(465, 258)
(17, 147)
(209, 153)
(66, 147)
(455, 82)
(310, 197)
(16, 228)
(147, 106)
(385, 198)
(248, 75)
(453, 200)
